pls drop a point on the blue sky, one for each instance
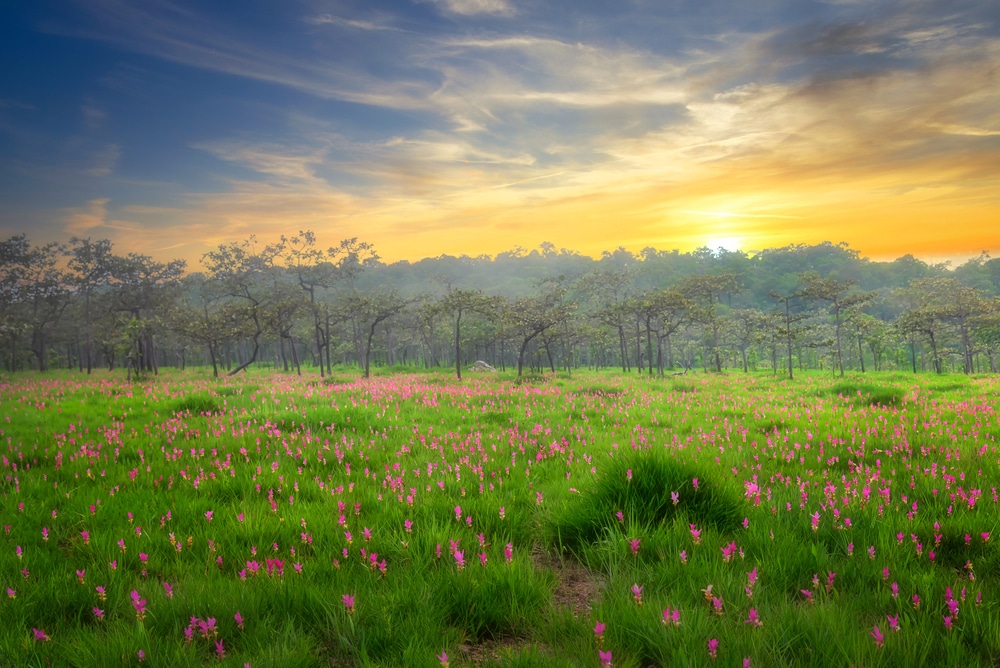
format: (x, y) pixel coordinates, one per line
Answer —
(472, 126)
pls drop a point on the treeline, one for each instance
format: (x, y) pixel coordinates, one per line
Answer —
(293, 303)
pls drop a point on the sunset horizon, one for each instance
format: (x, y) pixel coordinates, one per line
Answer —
(472, 127)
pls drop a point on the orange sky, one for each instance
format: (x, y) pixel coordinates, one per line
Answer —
(475, 126)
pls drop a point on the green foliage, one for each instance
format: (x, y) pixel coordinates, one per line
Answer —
(640, 486)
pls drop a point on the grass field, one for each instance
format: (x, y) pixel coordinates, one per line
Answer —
(415, 520)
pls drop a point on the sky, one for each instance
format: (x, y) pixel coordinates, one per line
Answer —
(430, 127)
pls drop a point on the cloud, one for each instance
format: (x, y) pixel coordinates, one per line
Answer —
(80, 221)
(330, 19)
(105, 160)
(473, 7)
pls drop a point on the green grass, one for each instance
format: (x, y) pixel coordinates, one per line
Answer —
(840, 488)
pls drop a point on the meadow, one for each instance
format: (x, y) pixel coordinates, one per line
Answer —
(561, 520)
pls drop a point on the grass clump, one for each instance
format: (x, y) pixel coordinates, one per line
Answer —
(641, 486)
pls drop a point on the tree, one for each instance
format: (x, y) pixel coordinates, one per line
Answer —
(789, 328)
(91, 264)
(534, 315)
(240, 269)
(139, 286)
(840, 296)
(457, 303)
(371, 310)
(704, 291)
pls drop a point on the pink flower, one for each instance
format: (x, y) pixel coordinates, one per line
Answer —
(695, 534)
(220, 651)
(605, 658)
(948, 623)
(208, 515)
(634, 545)
(893, 622)
(348, 603)
(713, 648)
(98, 613)
(877, 635)
(239, 619)
(80, 575)
(443, 658)
(599, 630)
(168, 590)
(672, 616)
(753, 619)
(684, 557)
(637, 594)
(508, 552)
(459, 559)
(808, 594)
(40, 635)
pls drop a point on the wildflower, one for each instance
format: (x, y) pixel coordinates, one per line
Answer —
(503, 512)
(877, 635)
(98, 613)
(620, 517)
(220, 651)
(458, 513)
(239, 619)
(508, 552)
(408, 526)
(694, 483)
(443, 658)
(696, 534)
(684, 557)
(948, 623)
(100, 593)
(829, 581)
(367, 534)
(850, 549)
(19, 552)
(885, 573)
(45, 534)
(482, 559)
(605, 658)
(628, 475)
(717, 605)
(675, 498)
(753, 619)
(348, 603)
(11, 593)
(80, 575)
(121, 544)
(139, 604)
(141, 655)
(916, 602)
(815, 521)
(634, 544)
(871, 553)
(746, 662)
(713, 648)
(168, 590)
(40, 635)
(672, 617)
(893, 622)
(459, 559)
(599, 633)
(808, 594)
(728, 551)
(208, 515)
(637, 594)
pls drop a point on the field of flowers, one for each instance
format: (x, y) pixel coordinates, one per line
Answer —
(580, 520)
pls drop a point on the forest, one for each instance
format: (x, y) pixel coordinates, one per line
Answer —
(301, 306)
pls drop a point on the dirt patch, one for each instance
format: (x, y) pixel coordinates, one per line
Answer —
(493, 651)
(576, 587)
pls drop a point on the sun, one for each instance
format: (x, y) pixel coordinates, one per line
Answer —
(731, 244)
